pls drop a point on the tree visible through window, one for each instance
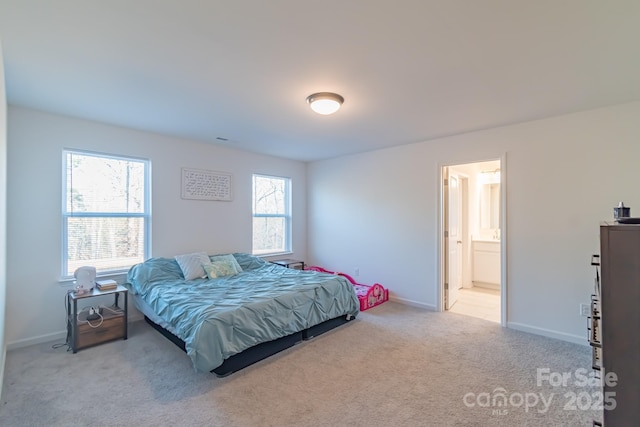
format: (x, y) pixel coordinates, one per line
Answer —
(105, 212)
(271, 215)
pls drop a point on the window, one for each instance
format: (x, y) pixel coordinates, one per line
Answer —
(271, 215)
(105, 212)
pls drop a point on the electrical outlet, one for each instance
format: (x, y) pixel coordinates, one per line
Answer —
(585, 310)
(356, 271)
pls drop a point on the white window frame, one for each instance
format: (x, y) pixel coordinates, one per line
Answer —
(66, 275)
(287, 215)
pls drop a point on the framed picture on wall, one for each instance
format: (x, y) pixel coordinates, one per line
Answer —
(199, 184)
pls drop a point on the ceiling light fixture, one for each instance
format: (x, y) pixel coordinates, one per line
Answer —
(325, 103)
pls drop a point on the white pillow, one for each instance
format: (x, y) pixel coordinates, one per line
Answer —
(191, 265)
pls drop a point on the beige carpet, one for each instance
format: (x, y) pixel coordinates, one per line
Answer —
(393, 366)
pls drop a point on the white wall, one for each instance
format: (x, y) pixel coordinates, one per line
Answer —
(35, 297)
(378, 211)
(3, 217)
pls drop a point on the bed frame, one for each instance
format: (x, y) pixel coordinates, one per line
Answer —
(260, 351)
(369, 296)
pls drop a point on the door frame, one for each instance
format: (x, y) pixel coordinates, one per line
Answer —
(440, 246)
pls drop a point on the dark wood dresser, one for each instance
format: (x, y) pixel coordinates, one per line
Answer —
(620, 320)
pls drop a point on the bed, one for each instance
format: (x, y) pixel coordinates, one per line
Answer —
(234, 316)
(369, 295)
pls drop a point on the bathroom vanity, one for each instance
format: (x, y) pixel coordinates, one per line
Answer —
(486, 263)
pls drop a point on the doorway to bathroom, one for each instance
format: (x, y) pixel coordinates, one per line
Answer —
(472, 235)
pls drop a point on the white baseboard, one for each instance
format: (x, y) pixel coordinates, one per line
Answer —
(576, 339)
(494, 286)
(56, 336)
(549, 333)
(2, 365)
(412, 303)
(26, 342)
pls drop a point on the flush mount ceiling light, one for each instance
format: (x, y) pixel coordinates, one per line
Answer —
(325, 102)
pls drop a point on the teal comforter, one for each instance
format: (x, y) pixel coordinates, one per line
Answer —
(221, 317)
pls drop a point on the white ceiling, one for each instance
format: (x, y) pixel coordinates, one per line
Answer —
(409, 71)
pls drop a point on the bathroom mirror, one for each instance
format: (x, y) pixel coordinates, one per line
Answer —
(490, 206)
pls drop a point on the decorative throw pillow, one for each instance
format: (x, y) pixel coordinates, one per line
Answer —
(191, 265)
(229, 259)
(217, 269)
